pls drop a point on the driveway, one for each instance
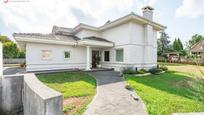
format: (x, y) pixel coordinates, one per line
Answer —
(112, 98)
(13, 70)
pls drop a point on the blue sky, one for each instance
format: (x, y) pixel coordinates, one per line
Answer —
(182, 17)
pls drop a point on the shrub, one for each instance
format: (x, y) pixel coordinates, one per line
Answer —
(155, 70)
(142, 71)
(129, 71)
(164, 68)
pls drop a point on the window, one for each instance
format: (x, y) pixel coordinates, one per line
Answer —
(202, 47)
(46, 54)
(106, 55)
(67, 55)
(119, 55)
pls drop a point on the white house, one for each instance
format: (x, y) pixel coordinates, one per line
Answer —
(130, 41)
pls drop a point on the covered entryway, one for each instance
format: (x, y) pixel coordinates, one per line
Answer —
(92, 55)
(96, 58)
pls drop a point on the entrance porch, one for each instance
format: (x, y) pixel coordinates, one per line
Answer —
(94, 48)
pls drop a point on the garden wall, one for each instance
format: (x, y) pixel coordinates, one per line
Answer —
(39, 99)
(26, 95)
(14, 61)
(11, 96)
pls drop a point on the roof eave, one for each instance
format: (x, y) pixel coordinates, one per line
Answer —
(86, 42)
(84, 26)
(46, 41)
(136, 18)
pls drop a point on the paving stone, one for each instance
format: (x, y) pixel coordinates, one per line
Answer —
(112, 98)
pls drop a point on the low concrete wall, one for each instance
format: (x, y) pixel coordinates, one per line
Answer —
(11, 96)
(40, 99)
(26, 95)
(0, 96)
(14, 61)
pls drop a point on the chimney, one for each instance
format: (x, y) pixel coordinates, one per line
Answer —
(148, 12)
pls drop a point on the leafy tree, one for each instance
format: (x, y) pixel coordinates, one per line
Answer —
(21, 54)
(195, 39)
(4, 39)
(163, 45)
(183, 53)
(10, 50)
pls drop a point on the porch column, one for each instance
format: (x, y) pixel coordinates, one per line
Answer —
(87, 57)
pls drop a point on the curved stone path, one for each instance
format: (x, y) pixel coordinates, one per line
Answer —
(112, 98)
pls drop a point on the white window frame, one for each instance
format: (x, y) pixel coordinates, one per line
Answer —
(104, 55)
(46, 58)
(70, 53)
(116, 54)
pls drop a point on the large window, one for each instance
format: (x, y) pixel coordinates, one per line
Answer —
(46, 54)
(67, 55)
(106, 55)
(119, 55)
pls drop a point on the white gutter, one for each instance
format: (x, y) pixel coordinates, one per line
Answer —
(46, 41)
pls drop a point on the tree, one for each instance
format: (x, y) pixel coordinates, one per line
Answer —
(180, 44)
(163, 45)
(177, 45)
(4, 39)
(10, 50)
(195, 39)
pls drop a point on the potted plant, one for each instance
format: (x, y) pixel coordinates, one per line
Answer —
(98, 59)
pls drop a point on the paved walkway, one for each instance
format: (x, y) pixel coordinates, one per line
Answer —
(13, 70)
(112, 98)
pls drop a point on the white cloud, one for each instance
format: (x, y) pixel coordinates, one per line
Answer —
(191, 8)
(41, 15)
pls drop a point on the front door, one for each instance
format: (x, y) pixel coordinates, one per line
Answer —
(95, 58)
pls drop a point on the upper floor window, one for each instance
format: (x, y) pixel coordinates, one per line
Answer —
(202, 47)
(106, 55)
(119, 55)
(67, 55)
(46, 54)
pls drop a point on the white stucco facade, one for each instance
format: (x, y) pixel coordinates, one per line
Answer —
(134, 36)
(34, 61)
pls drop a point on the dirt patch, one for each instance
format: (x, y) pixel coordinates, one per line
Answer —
(72, 104)
(186, 83)
(183, 83)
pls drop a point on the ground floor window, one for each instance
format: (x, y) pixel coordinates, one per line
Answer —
(119, 55)
(106, 55)
(67, 55)
(46, 54)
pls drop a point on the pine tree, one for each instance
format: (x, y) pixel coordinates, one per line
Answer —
(177, 45)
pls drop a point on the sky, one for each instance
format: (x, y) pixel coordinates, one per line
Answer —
(183, 18)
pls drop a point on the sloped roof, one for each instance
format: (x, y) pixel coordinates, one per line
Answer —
(198, 47)
(121, 20)
(97, 39)
(57, 36)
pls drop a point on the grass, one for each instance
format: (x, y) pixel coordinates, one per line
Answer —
(192, 70)
(72, 85)
(169, 92)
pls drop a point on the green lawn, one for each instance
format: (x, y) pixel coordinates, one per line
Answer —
(73, 86)
(192, 70)
(169, 92)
